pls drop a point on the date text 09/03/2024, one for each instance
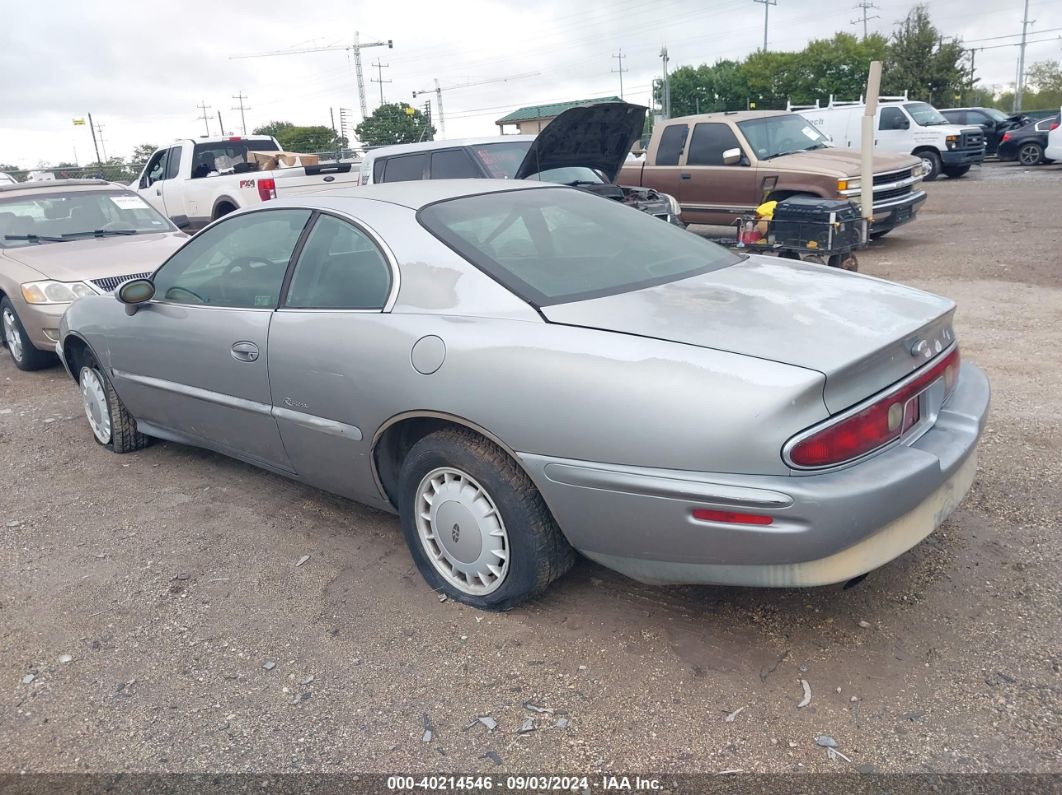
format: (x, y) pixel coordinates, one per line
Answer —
(523, 783)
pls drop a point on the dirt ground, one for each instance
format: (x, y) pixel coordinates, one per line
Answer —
(197, 644)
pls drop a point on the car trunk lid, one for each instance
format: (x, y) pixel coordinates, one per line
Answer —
(862, 333)
(597, 136)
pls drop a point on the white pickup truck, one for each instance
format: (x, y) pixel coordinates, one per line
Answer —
(195, 181)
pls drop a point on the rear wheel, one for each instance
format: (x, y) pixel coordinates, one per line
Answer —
(111, 423)
(956, 171)
(1031, 154)
(930, 164)
(13, 334)
(476, 526)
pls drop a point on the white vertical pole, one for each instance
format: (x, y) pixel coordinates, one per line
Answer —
(866, 183)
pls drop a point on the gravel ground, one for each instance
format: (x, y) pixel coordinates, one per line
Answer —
(153, 618)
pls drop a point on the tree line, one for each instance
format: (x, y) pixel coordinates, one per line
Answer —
(916, 59)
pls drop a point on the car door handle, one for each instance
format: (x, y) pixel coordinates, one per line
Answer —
(685, 176)
(244, 351)
(158, 191)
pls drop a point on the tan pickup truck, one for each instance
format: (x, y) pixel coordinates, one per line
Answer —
(722, 165)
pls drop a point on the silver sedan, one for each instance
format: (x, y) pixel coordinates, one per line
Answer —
(523, 371)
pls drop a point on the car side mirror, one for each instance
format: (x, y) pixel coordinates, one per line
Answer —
(180, 221)
(905, 125)
(732, 157)
(135, 292)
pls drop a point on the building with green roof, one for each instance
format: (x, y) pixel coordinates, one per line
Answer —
(531, 119)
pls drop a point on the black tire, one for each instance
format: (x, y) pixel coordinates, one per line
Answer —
(23, 354)
(931, 164)
(124, 436)
(956, 171)
(537, 551)
(1031, 154)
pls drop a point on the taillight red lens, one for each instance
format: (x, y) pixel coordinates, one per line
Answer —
(730, 517)
(881, 422)
(1006, 136)
(267, 189)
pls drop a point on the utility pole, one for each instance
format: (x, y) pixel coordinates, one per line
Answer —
(379, 78)
(866, 6)
(221, 124)
(619, 57)
(205, 117)
(766, 10)
(94, 144)
(103, 145)
(241, 108)
(665, 86)
(1019, 87)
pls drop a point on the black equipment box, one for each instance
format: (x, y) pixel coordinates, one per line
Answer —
(810, 222)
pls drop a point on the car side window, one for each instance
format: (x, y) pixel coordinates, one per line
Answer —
(405, 168)
(892, 119)
(453, 164)
(672, 142)
(708, 143)
(239, 262)
(340, 267)
(155, 169)
(173, 162)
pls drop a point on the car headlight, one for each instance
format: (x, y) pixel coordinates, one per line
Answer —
(55, 292)
(917, 170)
(952, 140)
(676, 208)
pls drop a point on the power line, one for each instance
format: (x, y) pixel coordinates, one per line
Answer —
(241, 108)
(1009, 36)
(205, 117)
(766, 10)
(866, 6)
(619, 57)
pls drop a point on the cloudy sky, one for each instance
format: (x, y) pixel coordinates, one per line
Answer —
(141, 67)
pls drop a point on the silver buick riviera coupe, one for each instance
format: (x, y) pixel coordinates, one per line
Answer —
(523, 371)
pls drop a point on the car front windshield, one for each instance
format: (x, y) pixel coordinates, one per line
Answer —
(558, 245)
(924, 114)
(503, 159)
(773, 136)
(54, 216)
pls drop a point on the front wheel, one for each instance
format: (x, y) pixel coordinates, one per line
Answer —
(476, 526)
(1031, 154)
(956, 171)
(111, 423)
(13, 334)
(930, 165)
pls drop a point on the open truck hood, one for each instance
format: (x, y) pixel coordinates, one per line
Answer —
(858, 331)
(596, 136)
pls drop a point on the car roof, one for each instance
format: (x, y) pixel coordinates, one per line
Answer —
(731, 115)
(427, 146)
(413, 194)
(58, 185)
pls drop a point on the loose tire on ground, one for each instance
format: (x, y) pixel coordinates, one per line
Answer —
(488, 495)
(13, 335)
(112, 425)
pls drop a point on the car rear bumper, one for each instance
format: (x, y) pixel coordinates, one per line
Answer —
(826, 528)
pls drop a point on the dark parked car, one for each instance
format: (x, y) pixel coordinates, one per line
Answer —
(994, 123)
(1027, 144)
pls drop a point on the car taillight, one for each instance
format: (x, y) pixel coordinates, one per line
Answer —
(884, 420)
(1006, 136)
(1054, 126)
(267, 189)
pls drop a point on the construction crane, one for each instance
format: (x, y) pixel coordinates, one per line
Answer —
(355, 48)
(438, 91)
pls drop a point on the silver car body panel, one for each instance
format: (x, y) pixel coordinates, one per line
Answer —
(623, 433)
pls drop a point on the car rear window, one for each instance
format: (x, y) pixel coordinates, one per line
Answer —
(558, 245)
